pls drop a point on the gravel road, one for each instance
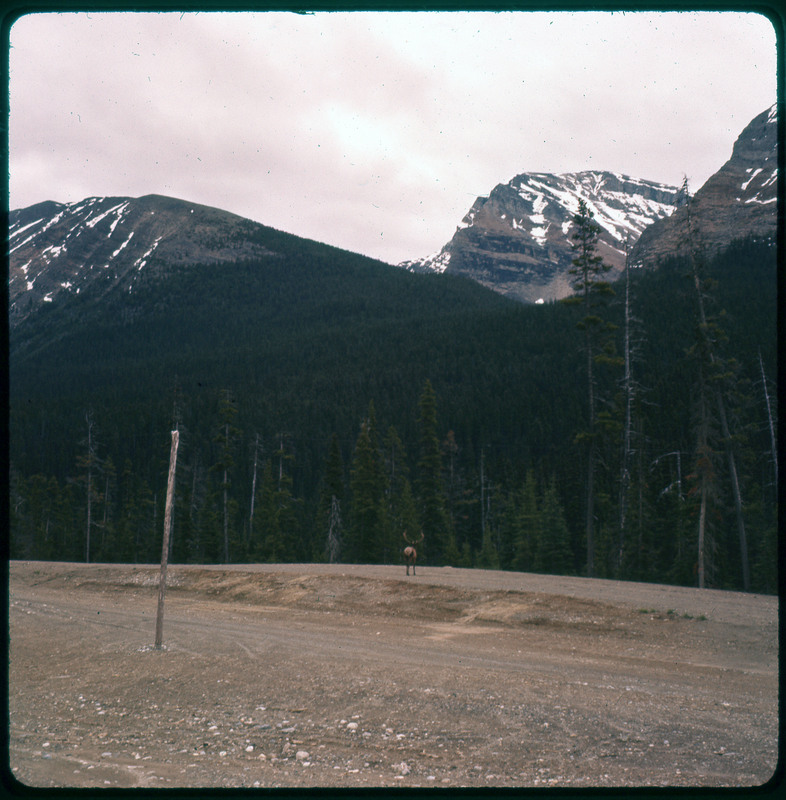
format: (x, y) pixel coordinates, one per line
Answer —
(356, 676)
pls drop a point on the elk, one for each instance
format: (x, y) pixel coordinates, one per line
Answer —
(410, 553)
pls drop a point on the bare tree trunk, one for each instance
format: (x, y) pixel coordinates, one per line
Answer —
(773, 439)
(590, 520)
(104, 523)
(334, 530)
(702, 522)
(482, 497)
(280, 459)
(89, 420)
(253, 485)
(590, 527)
(89, 514)
(170, 493)
(226, 521)
(735, 484)
(226, 498)
(626, 447)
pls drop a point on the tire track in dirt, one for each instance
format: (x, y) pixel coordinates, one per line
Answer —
(381, 681)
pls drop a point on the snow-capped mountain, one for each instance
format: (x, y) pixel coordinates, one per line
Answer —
(517, 240)
(738, 201)
(110, 243)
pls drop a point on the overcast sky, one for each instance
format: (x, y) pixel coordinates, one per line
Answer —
(373, 131)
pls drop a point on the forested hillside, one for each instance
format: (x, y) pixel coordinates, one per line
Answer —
(328, 403)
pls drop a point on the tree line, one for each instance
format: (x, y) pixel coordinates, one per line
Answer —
(582, 438)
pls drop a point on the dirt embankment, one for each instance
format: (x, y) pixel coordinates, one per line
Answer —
(320, 675)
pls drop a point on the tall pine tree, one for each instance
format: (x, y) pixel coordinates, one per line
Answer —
(437, 545)
(592, 293)
(368, 528)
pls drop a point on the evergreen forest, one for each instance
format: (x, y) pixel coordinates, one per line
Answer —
(328, 405)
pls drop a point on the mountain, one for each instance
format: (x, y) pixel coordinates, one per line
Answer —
(117, 285)
(517, 240)
(739, 201)
(263, 346)
(59, 249)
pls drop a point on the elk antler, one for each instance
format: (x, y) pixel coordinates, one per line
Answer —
(417, 541)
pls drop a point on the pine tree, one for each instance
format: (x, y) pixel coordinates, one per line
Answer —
(91, 465)
(554, 555)
(335, 524)
(329, 519)
(487, 558)
(704, 478)
(528, 533)
(292, 545)
(630, 392)
(592, 292)
(194, 487)
(32, 504)
(226, 437)
(265, 535)
(461, 502)
(400, 505)
(107, 546)
(19, 539)
(430, 495)
(135, 513)
(368, 528)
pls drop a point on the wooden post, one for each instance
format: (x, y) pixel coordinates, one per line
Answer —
(170, 492)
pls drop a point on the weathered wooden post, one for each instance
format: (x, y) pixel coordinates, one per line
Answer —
(170, 493)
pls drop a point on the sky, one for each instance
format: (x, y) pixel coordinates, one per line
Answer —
(373, 131)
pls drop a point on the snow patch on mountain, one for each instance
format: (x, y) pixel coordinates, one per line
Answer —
(521, 233)
(61, 249)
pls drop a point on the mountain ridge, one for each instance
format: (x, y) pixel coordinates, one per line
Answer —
(518, 239)
(738, 201)
(60, 248)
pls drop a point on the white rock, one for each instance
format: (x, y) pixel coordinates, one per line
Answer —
(352, 726)
(301, 755)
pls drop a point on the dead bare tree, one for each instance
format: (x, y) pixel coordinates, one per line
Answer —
(253, 488)
(709, 334)
(410, 553)
(773, 436)
(334, 530)
(92, 465)
(628, 386)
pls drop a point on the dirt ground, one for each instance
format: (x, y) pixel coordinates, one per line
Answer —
(357, 676)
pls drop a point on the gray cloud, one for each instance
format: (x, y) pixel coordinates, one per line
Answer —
(373, 132)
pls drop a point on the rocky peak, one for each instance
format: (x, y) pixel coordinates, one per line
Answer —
(518, 240)
(738, 201)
